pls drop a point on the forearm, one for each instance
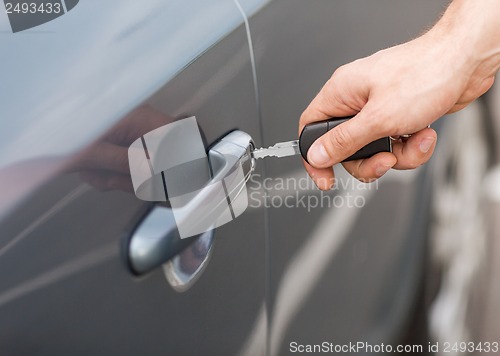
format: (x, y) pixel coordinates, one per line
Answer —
(474, 28)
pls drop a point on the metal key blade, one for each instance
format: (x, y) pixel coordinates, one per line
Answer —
(281, 149)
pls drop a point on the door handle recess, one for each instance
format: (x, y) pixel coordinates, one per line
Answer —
(165, 232)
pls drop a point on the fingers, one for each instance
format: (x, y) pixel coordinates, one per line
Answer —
(342, 142)
(474, 91)
(370, 169)
(324, 178)
(411, 154)
(416, 151)
(336, 98)
(345, 140)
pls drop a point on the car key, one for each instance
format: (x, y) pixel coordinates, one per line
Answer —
(311, 133)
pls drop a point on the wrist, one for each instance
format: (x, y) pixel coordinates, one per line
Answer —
(470, 31)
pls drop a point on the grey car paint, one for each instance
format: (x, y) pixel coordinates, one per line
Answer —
(370, 283)
(75, 294)
(68, 288)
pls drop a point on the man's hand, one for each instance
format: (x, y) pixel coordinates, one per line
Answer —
(402, 90)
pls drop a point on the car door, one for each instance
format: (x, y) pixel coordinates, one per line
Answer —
(78, 92)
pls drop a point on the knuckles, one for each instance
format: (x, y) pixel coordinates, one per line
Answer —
(412, 164)
(339, 140)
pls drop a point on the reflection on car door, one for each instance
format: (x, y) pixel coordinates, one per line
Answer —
(68, 289)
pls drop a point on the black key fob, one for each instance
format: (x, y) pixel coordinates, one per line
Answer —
(313, 131)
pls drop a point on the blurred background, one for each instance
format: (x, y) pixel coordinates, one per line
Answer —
(465, 238)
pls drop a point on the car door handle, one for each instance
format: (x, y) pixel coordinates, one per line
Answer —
(165, 232)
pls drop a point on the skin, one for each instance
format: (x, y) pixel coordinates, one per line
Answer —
(402, 90)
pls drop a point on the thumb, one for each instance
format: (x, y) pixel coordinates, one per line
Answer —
(344, 140)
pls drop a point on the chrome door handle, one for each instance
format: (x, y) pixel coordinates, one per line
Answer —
(162, 234)
(219, 201)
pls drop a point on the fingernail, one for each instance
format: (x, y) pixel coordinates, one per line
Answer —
(325, 183)
(317, 155)
(426, 144)
(382, 169)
